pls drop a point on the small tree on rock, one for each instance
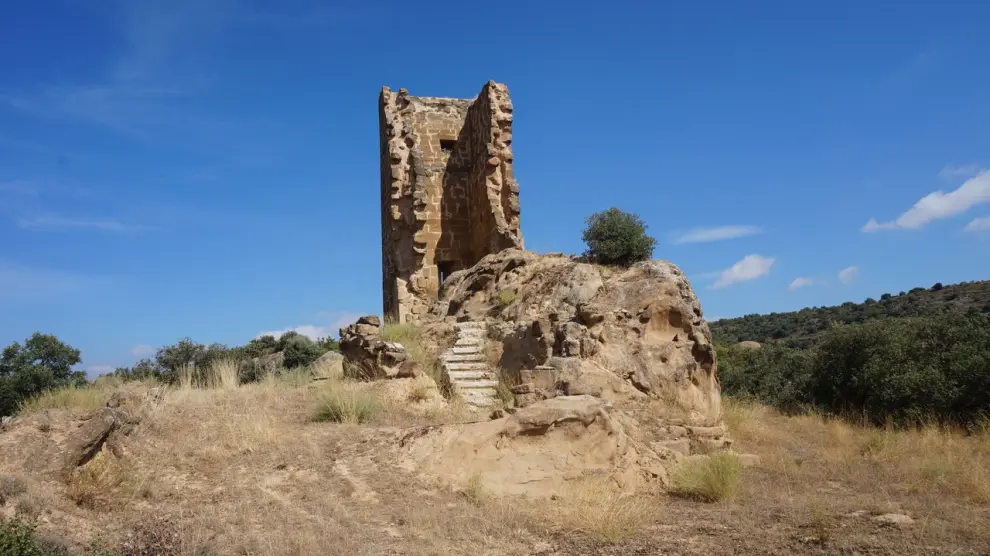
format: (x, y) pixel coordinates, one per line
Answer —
(616, 237)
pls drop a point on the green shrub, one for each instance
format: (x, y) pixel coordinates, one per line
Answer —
(906, 370)
(615, 237)
(18, 538)
(708, 479)
(775, 375)
(300, 351)
(42, 363)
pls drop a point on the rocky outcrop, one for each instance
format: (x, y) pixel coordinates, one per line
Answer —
(367, 357)
(104, 427)
(536, 450)
(568, 327)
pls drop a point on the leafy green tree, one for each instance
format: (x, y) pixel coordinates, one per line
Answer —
(42, 363)
(258, 347)
(328, 344)
(172, 358)
(615, 237)
(300, 351)
(285, 338)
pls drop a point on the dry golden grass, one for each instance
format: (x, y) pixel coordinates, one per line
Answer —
(222, 373)
(346, 404)
(595, 507)
(707, 478)
(938, 475)
(246, 471)
(187, 376)
(83, 398)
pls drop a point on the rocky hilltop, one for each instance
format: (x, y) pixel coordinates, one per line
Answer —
(571, 327)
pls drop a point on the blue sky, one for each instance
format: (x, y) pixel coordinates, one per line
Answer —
(209, 168)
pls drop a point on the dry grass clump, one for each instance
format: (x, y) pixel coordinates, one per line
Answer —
(596, 507)
(222, 373)
(934, 460)
(78, 398)
(343, 403)
(506, 297)
(708, 478)
(419, 393)
(11, 486)
(93, 484)
(474, 488)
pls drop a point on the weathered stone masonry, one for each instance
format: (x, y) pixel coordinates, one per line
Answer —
(448, 193)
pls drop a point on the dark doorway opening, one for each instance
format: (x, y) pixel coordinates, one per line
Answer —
(446, 269)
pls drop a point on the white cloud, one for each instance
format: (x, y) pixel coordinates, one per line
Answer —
(801, 282)
(749, 268)
(964, 171)
(52, 223)
(718, 233)
(336, 320)
(939, 205)
(979, 225)
(848, 274)
(95, 370)
(143, 350)
(311, 331)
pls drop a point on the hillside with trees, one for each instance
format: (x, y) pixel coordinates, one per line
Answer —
(806, 327)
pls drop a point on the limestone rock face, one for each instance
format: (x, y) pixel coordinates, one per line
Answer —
(538, 449)
(368, 357)
(568, 327)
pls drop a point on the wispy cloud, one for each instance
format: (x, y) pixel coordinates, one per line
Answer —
(939, 205)
(335, 319)
(979, 225)
(716, 233)
(311, 331)
(55, 223)
(97, 370)
(801, 282)
(750, 267)
(951, 172)
(21, 283)
(143, 350)
(848, 274)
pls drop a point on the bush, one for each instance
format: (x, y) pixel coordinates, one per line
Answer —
(708, 479)
(18, 538)
(43, 363)
(615, 237)
(300, 351)
(905, 370)
(908, 370)
(775, 375)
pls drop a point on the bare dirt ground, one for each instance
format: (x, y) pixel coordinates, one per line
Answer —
(247, 471)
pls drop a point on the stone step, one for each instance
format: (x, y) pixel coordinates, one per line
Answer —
(464, 350)
(480, 401)
(468, 342)
(470, 325)
(462, 358)
(476, 384)
(466, 367)
(457, 376)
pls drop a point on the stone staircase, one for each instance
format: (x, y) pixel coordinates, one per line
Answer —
(466, 367)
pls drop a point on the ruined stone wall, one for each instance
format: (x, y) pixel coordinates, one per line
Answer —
(448, 197)
(494, 194)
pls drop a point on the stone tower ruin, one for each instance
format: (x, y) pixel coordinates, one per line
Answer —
(448, 194)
